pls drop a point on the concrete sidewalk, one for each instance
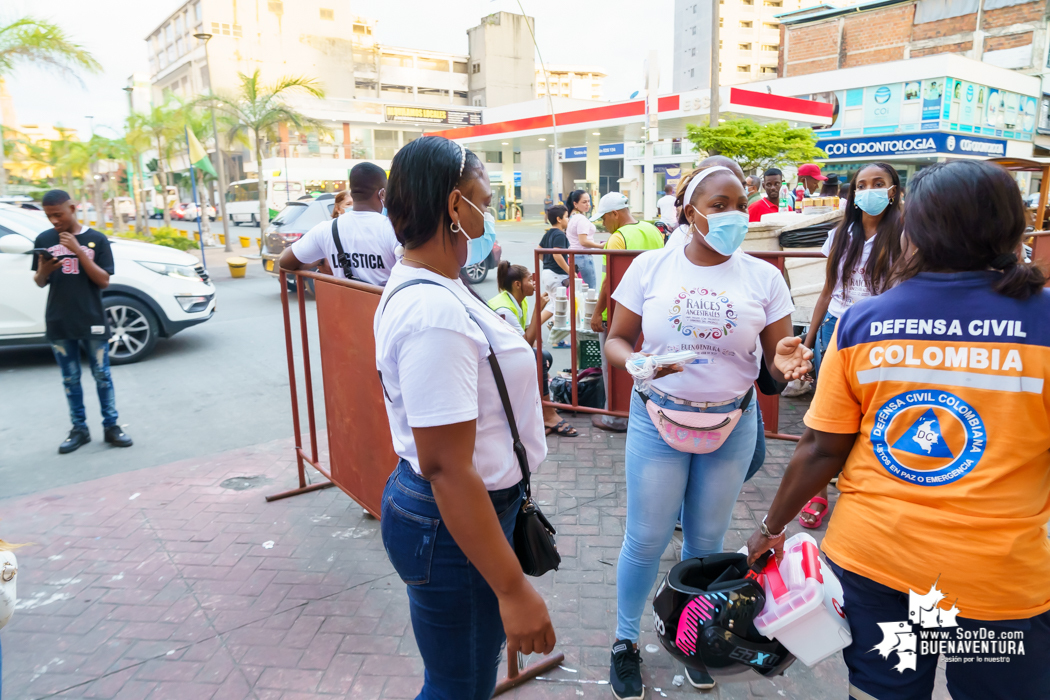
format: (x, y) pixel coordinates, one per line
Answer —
(180, 581)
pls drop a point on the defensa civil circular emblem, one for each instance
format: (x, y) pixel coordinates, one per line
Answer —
(928, 437)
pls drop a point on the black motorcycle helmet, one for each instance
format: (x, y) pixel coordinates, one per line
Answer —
(704, 613)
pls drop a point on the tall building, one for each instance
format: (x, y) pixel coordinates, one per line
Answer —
(502, 60)
(749, 40)
(377, 97)
(577, 82)
(1000, 34)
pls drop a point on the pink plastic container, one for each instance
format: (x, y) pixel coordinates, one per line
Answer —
(803, 609)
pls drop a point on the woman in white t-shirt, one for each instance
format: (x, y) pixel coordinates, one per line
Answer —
(860, 252)
(581, 233)
(732, 309)
(449, 508)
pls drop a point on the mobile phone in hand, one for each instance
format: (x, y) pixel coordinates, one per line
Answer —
(44, 253)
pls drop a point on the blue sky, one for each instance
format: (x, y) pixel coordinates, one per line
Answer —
(615, 35)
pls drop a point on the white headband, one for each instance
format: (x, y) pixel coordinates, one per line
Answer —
(696, 181)
(462, 157)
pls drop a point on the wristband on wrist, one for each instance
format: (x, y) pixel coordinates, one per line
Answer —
(764, 529)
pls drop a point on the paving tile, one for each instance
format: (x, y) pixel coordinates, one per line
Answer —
(179, 598)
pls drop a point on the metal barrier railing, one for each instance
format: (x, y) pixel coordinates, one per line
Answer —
(617, 394)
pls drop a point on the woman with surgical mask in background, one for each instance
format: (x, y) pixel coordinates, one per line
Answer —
(733, 310)
(861, 252)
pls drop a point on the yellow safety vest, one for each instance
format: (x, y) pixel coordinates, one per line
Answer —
(639, 236)
(504, 300)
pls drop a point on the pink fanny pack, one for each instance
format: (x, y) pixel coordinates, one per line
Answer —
(693, 432)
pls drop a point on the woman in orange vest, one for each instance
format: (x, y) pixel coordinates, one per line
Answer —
(933, 400)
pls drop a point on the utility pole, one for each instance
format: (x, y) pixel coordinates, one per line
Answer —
(221, 170)
(713, 121)
(3, 149)
(96, 184)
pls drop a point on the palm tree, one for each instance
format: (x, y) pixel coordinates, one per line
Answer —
(160, 126)
(129, 146)
(36, 41)
(258, 110)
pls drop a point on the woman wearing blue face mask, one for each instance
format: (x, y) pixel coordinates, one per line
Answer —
(861, 252)
(450, 506)
(733, 310)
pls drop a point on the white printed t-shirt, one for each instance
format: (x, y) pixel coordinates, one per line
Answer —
(367, 237)
(665, 205)
(718, 311)
(434, 362)
(679, 237)
(841, 298)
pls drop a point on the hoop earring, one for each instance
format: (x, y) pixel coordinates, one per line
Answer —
(456, 228)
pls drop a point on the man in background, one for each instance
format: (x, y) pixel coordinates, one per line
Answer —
(76, 263)
(665, 205)
(359, 245)
(627, 234)
(754, 192)
(811, 178)
(555, 268)
(772, 179)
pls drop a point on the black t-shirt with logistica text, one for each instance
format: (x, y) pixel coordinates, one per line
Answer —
(554, 238)
(74, 302)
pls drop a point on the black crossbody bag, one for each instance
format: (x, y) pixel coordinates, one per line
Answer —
(533, 534)
(341, 258)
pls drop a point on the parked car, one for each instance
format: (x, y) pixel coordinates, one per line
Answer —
(189, 211)
(300, 216)
(125, 207)
(297, 217)
(477, 273)
(155, 291)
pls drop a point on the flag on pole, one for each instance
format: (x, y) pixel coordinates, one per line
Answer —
(198, 156)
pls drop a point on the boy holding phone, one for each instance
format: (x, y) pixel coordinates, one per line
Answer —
(77, 263)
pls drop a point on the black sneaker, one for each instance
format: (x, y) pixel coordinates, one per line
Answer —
(77, 438)
(625, 672)
(699, 679)
(117, 437)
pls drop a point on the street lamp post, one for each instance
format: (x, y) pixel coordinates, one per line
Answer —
(715, 67)
(131, 173)
(218, 151)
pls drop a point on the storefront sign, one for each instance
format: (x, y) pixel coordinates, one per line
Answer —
(935, 104)
(911, 144)
(932, 91)
(607, 150)
(430, 115)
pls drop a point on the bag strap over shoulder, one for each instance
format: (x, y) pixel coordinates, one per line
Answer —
(519, 448)
(341, 257)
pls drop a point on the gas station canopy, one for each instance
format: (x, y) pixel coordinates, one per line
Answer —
(529, 125)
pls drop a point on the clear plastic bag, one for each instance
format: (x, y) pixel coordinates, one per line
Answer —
(643, 367)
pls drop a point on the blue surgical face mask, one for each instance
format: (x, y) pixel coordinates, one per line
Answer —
(725, 231)
(479, 248)
(872, 202)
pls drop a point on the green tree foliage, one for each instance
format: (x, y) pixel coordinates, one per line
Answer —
(30, 40)
(757, 146)
(258, 109)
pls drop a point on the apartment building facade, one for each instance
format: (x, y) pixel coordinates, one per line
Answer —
(377, 97)
(576, 82)
(749, 41)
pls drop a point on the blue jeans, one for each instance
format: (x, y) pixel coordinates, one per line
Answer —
(867, 603)
(67, 354)
(663, 482)
(824, 335)
(585, 263)
(455, 614)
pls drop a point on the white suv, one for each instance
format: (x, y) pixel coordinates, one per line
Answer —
(155, 291)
